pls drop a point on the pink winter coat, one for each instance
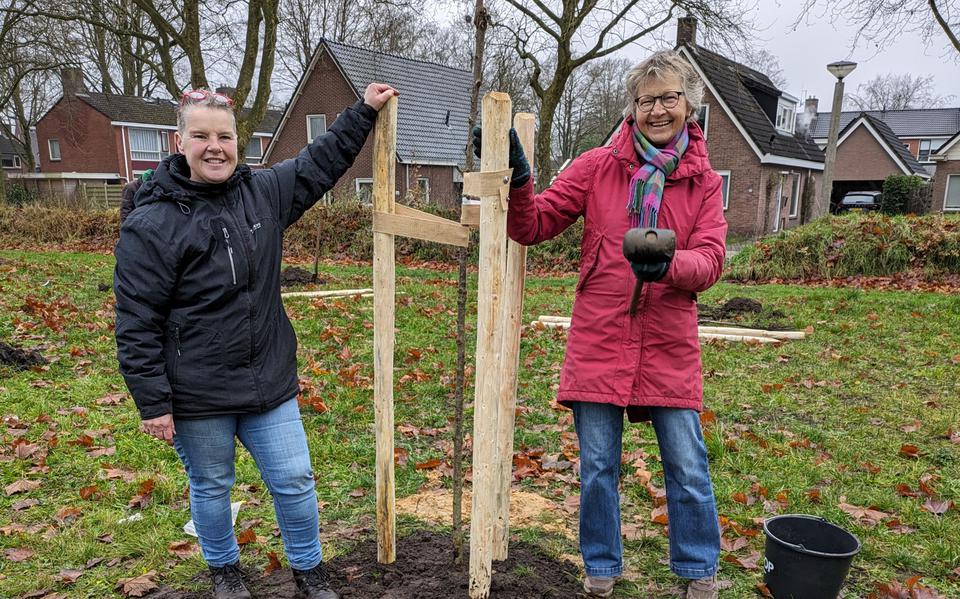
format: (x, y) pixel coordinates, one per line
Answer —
(652, 358)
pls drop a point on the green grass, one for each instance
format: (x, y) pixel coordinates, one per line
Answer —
(824, 413)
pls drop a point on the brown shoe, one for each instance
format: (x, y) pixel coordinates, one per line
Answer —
(599, 586)
(703, 588)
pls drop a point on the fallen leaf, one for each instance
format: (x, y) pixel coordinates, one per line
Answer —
(867, 516)
(69, 576)
(111, 399)
(428, 465)
(937, 507)
(751, 561)
(18, 554)
(357, 493)
(400, 456)
(21, 486)
(182, 549)
(137, 586)
(273, 564)
(763, 590)
(731, 545)
(66, 515)
(246, 537)
(89, 492)
(909, 451)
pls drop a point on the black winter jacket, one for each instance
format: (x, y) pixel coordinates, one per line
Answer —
(201, 330)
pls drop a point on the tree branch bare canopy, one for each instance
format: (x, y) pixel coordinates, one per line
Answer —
(556, 37)
(896, 92)
(880, 22)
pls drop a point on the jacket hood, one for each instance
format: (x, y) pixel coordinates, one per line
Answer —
(693, 162)
(171, 182)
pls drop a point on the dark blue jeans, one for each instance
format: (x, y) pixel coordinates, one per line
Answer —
(691, 508)
(278, 444)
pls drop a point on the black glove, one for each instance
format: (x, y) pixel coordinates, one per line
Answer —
(650, 272)
(518, 162)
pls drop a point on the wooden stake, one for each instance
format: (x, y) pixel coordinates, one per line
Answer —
(493, 231)
(384, 288)
(510, 358)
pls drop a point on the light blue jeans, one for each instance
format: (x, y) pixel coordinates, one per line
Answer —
(278, 444)
(691, 508)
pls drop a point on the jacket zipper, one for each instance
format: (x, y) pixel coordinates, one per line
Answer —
(176, 338)
(233, 268)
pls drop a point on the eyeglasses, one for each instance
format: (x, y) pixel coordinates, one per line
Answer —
(667, 100)
(199, 95)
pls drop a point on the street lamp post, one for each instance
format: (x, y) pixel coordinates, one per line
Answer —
(839, 70)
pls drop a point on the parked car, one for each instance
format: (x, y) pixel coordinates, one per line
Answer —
(863, 200)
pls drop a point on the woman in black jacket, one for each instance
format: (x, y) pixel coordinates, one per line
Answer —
(203, 341)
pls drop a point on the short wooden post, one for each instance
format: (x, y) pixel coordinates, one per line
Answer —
(493, 232)
(384, 291)
(509, 359)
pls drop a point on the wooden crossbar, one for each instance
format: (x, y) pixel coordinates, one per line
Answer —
(417, 227)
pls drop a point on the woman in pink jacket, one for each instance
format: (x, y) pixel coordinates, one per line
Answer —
(655, 172)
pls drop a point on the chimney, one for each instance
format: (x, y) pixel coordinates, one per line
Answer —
(687, 31)
(227, 91)
(807, 120)
(71, 79)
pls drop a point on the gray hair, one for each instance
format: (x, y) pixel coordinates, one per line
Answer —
(661, 65)
(211, 101)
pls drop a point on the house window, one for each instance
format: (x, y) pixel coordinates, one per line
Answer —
(10, 162)
(53, 145)
(148, 144)
(316, 125)
(253, 153)
(928, 147)
(422, 190)
(703, 117)
(786, 116)
(364, 190)
(795, 196)
(952, 200)
(725, 175)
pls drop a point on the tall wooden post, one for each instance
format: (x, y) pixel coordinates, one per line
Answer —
(493, 232)
(516, 269)
(384, 291)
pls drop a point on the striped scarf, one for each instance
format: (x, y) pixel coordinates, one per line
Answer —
(646, 185)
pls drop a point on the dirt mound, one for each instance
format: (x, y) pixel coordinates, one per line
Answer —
(295, 275)
(424, 570)
(21, 359)
(743, 311)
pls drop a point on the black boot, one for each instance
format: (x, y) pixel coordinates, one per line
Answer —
(228, 582)
(314, 583)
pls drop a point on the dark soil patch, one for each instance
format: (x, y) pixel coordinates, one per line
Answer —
(21, 359)
(744, 312)
(294, 275)
(424, 570)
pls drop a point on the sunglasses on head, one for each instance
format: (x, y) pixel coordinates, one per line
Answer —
(198, 95)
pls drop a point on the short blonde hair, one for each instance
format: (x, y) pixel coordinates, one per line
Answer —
(210, 101)
(661, 65)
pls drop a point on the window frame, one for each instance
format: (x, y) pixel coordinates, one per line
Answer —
(247, 157)
(50, 144)
(789, 113)
(794, 208)
(424, 184)
(706, 118)
(931, 149)
(725, 177)
(15, 162)
(946, 193)
(310, 136)
(163, 145)
(360, 181)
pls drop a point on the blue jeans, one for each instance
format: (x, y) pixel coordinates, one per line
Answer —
(278, 444)
(691, 508)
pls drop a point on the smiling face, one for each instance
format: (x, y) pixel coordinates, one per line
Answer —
(209, 142)
(660, 125)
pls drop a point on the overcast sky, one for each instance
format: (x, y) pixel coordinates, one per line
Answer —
(803, 54)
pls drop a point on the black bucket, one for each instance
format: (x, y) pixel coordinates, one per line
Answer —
(806, 557)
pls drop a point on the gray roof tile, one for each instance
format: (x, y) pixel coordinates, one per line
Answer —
(731, 80)
(153, 111)
(914, 123)
(434, 107)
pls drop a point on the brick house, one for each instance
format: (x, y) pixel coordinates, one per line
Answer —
(924, 131)
(868, 151)
(110, 138)
(946, 183)
(432, 119)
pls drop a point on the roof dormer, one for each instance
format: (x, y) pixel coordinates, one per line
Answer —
(786, 114)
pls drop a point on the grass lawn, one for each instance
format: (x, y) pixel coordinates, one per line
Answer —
(857, 416)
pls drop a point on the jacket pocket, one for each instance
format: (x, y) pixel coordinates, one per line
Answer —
(197, 357)
(589, 261)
